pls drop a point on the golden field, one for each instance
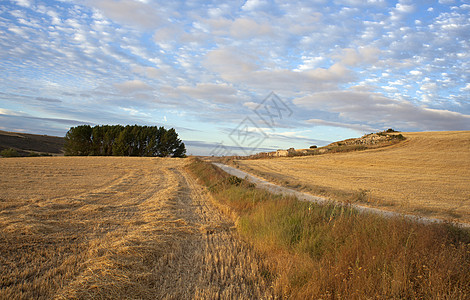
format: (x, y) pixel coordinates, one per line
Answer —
(114, 228)
(427, 174)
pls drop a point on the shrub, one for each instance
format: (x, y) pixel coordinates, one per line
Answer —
(9, 153)
(400, 137)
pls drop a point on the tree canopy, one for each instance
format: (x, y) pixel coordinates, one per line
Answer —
(121, 140)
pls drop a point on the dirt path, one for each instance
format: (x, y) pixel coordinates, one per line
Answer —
(205, 259)
(118, 228)
(320, 200)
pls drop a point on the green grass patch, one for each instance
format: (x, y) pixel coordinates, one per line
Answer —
(334, 252)
(9, 153)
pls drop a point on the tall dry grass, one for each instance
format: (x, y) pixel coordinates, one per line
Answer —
(332, 252)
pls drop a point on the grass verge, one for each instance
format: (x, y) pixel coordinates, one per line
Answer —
(333, 252)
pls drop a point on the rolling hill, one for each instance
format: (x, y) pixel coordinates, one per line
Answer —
(25, 143)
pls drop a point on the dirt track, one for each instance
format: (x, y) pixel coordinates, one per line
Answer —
(118, 228)
(206, 261)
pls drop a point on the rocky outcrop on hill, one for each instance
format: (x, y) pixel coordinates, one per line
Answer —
(368, 141)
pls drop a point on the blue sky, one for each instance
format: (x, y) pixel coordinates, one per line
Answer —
(338, 69)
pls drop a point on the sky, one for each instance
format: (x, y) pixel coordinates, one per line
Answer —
(236, 77)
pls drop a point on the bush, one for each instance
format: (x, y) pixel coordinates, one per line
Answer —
(9, 153)
(400, 137)
(313, 147)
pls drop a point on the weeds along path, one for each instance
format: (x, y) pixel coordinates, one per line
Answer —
(277, 189)
(114, 228)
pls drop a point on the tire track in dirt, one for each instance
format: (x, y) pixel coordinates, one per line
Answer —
(206, 259)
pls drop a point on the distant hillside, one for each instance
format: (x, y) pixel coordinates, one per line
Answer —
(368, 141)
(26, 143)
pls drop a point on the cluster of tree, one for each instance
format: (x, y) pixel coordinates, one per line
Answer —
(120, 140)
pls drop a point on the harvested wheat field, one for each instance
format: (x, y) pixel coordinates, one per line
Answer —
(427, 174)
(114, 228)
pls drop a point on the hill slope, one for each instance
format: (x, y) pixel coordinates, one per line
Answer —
(26, 143)
(427, 174)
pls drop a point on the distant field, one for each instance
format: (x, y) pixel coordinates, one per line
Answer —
(117, 228)
(428, 174)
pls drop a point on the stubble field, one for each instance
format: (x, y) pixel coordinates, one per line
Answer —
(109, 227)
(428, 174)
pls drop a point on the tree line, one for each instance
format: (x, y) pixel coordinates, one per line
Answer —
(118, 140)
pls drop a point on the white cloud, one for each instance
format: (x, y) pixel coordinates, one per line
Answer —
(309, 63)
(134, 112)
(465, 88)
(229, 62)
(17, 30)
(132, 86)
(7, 112)
(404, 8)
(429, 87)
(353, 57)
(244, 28)
(358, 127)
(254, 4)
(401, 10)
(140, 14)
(211, 92)
(362, 2)
(235, 67)
(293, 134)
(149, 72)
(374, 108)
(251, 105)
(24, 3)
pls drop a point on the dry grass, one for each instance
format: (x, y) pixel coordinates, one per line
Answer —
(428, 174)
(333, 252)
(117, 228)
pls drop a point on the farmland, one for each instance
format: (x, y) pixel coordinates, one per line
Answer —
(113, 227)
(146, 228)
(427, 174)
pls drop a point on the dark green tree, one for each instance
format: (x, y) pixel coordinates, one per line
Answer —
(170, 144)
(78, 141)
(124, 141)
